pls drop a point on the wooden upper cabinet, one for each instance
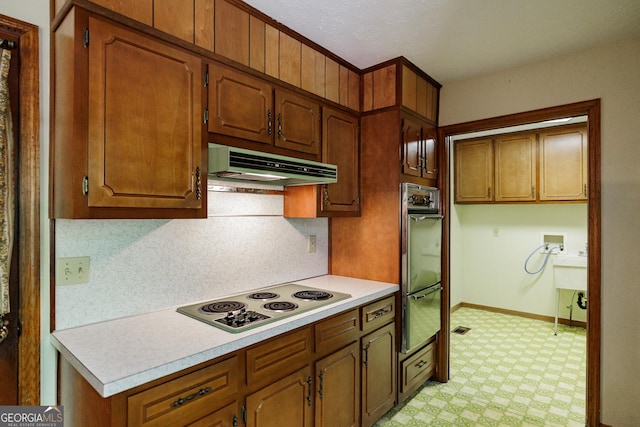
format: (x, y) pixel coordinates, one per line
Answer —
(411, 141)
(129, 108)
(563, 164)
(240, 105)
(145, 138)
(175, 17)
(250, 109)
(515, 168)
(140, 10)
(419, 149)
(537, 166)
(341, 147)
(231, 32)
(297, 123)
(473, 171)
(399, 83)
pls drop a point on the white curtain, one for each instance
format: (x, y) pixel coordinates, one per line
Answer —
(7, 182)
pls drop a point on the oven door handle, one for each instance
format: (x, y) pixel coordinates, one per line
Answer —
(423, 217)
(429, 292)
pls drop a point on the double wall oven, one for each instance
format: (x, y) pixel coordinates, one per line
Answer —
(421, 264)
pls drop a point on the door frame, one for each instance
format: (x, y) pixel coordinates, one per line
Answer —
(29, 210)
(591, 109)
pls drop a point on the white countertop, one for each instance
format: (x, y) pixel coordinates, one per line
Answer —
(120, 354)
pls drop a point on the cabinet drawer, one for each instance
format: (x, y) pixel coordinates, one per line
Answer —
(187, 398)
(278, 357)
(378, 313)
(417, 369)
(336, 332)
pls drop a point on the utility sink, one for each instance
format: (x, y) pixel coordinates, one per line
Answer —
(570, 272)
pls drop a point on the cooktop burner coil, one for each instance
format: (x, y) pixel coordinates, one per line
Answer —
(280, 306)
(263, 296)
(312, 295)
(222, 307)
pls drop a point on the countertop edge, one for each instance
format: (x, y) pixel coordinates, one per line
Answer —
(112, 387)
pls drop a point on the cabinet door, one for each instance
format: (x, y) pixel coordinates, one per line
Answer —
(341, 146)
(473, 171)
(411, 152)
(338, 389)
(145, 139)
(287, 402)
(240, 106)
(298, 123)
(429, 153)
(563, 164)
(225, 417)
(515, 168)
(378, 373)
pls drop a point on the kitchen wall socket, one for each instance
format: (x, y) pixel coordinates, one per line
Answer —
(311, 244)
(72, 271)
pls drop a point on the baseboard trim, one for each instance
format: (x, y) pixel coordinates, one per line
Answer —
(519, 313)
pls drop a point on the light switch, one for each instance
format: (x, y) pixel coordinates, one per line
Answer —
(72, 271)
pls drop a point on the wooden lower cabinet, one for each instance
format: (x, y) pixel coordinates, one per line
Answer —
(286, 402)
(378, 373)
(415, 369)
(337, 401)
(338, 372)
(229, 416)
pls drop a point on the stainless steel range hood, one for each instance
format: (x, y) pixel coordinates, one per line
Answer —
(231, 163)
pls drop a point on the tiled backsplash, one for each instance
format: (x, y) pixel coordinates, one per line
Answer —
(144, 265)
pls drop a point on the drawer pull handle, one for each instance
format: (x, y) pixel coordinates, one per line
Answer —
(379, 313)
(421, 363)
(192, 396)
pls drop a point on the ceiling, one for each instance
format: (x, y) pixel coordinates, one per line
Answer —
(456, 39)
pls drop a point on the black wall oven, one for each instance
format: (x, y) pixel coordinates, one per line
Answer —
(421, 264)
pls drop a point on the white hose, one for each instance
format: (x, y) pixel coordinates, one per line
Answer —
(546, 258)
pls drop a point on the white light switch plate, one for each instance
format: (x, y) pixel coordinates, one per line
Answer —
(72, 271)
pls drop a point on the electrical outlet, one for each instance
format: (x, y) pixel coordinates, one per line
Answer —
(311, 244)
(72, 271)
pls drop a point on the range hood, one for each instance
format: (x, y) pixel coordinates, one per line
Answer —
(231, 163)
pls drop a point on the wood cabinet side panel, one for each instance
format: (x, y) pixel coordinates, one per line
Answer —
(332, 80)
(313, 71)
(272, 51)
(409, 88)
(354, 91)
(384, 87)
(368, 247)
(290, 58)
(231, 32)
(257, 39)
(140, 10)
(204, 24)
(68, 156)
(175, 17)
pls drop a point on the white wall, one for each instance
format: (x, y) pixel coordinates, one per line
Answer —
(610, 73)
(139, 266)
(495, 241)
